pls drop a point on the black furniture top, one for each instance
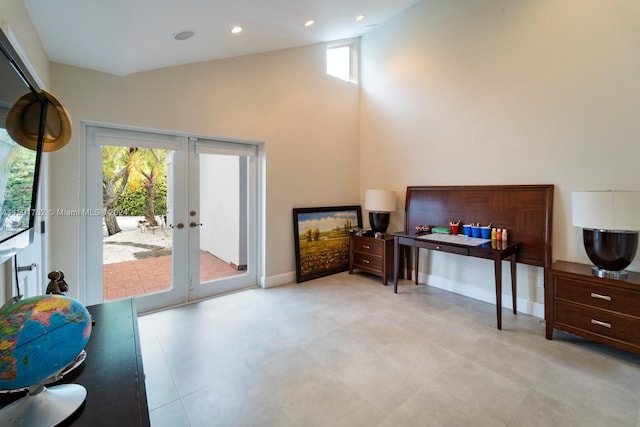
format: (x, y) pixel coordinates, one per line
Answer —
(112, 372)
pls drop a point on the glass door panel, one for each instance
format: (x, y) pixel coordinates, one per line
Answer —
(221, 231)
(130, 249)
(137, 240)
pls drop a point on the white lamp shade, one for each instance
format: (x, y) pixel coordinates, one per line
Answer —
(380, 200)
(606, 210)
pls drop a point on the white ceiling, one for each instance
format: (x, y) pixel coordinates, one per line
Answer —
(128, 36)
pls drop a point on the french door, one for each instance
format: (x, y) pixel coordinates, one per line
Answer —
(210, 221)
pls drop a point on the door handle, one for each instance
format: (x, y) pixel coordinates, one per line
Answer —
(194, 224)
(27, 267)
(180, 226)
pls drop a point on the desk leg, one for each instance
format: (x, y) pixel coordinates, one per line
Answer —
(513, 283)
(497, 263)
(416, 259)
(396, 263)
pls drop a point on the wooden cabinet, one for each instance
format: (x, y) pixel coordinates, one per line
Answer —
(601, 309)
(371, 255)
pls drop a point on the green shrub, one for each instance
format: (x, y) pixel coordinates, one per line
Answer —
(132, 203)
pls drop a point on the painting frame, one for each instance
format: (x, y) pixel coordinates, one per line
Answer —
(321, 237)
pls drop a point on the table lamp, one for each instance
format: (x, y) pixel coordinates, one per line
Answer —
(380, 204)
(610, 221)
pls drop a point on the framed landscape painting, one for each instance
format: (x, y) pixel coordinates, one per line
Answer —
(322, 239)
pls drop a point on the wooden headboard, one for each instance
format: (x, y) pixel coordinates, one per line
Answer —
(526, 211)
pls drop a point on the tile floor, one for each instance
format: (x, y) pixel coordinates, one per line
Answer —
(345, 351)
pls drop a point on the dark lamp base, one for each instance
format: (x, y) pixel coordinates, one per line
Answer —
(379, 221)
(610, 251)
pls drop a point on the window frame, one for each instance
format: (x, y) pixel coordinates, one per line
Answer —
(354, 58)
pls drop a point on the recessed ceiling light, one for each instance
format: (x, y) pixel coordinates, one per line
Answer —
(359, 17)
(183, 35)
(309, 23)
(237, 29)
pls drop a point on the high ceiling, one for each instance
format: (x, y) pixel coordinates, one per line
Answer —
(128, 36)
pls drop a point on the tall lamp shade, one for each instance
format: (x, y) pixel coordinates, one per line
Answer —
(380, 204)
(610, 221)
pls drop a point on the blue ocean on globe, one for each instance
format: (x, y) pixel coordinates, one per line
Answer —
(39, 337)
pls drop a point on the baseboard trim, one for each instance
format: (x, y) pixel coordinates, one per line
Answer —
(523, 305)
(277, 280)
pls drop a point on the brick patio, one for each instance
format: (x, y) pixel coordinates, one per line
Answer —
(143, 276)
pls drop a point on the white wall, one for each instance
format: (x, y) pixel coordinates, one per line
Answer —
(16, 22)
(220, 206)
(308, 120)
(503, 92)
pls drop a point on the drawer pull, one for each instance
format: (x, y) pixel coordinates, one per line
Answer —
(366, 261)
(604, 297)
(366, 247)
(599, 323)
(438, 247)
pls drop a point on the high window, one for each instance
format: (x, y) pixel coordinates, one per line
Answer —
(342, 60)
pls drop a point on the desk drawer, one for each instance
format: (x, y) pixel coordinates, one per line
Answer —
(367, 261)
(605, 297)
(368, 245)
(600, 322)
(443, 247)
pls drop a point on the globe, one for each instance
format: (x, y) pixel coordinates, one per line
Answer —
(39, 337)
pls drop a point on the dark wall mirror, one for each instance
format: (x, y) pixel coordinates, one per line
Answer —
(19, 166)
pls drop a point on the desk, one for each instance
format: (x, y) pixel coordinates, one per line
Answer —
(112, 372)
(495, 250)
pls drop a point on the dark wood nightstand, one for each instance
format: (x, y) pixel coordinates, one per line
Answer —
(371, 255)
(599, 309)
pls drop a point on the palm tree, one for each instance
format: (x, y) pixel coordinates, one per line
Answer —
(116, 164)
(132, 168)
(148, 168)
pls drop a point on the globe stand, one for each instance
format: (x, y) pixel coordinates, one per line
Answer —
(44, 406)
